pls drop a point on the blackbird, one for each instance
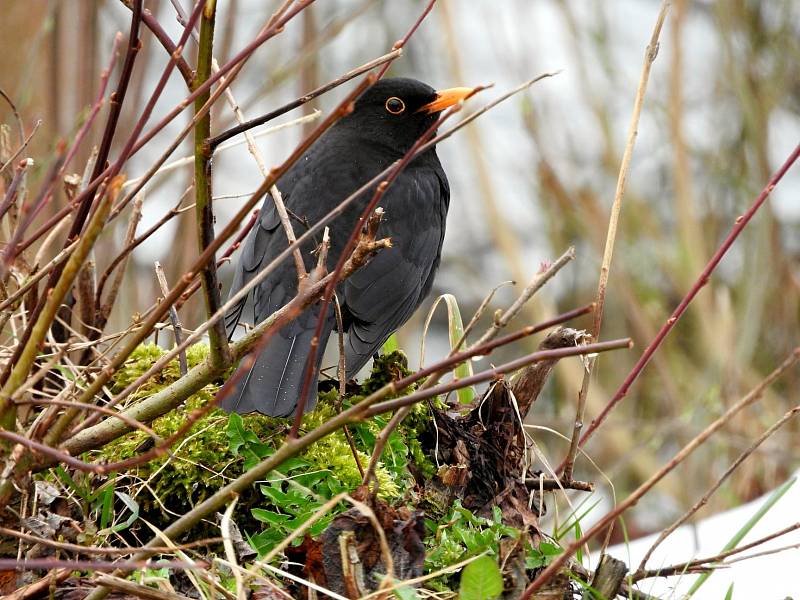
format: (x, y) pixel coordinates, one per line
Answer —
(378, 298)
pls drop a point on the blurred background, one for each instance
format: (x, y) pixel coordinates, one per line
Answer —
(530, 178)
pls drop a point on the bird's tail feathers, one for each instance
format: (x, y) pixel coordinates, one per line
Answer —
(272, 386)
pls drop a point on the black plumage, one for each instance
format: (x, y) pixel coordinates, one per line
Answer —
(381, 296)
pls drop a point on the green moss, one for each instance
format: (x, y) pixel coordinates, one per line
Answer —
(333, 453)
(206, 458)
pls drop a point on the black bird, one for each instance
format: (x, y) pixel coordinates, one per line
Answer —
(377, 299)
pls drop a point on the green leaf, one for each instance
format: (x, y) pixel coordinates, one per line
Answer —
(292, 464)
(569, 524)
(235, 432)
(548, 549)
(266, 540)
(455, 327)
(535, 559)
(69, 482)
(405, 592)
(107, 507)
(132, 506)
(578, 535)
(267, 516)
(481, 580)
(729, 594)
(543, 555)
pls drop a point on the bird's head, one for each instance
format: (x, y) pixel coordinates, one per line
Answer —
(395, 112)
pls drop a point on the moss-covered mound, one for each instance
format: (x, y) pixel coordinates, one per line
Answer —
(219, 447)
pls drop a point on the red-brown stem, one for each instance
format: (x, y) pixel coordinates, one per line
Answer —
(98, 104)
(233, 66)
(163, 37)
(702, 280)
(132, 145)
(85, 200)
(115, 108)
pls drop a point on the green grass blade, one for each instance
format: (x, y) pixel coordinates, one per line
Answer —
(455, 328)
(767, 506)
(390, 345)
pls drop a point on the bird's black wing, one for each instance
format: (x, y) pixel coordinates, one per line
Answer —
(254, 252)
(273, 384)
(383, 295)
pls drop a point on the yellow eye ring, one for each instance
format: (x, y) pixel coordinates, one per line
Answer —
(395, 106)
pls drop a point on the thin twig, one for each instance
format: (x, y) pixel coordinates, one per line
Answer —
(535, 285)
(162, 36)
(137, 140)
(11, 192)
(398, 45)
(633, 130)
(177, 327)
(478, 314)
(509, 367)
(133, 423)
(130, 247)
(549, 484)
(709, 561)
(17, 118)
(22, 147)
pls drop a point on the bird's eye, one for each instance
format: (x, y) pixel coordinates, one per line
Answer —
(395, 106)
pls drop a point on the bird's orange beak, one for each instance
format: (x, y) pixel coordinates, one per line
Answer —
(447, 98)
